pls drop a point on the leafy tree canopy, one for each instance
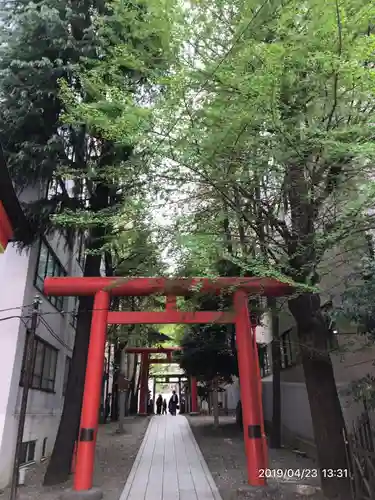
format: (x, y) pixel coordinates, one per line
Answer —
(357, 303)
(206, 353)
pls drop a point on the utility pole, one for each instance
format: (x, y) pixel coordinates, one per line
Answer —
(27, 375)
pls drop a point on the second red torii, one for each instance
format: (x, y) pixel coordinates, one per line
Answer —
(145, 364)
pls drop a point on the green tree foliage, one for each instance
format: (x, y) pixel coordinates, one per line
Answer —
(276, 125)
(357, 306)
(45, 50)
(207, 355)
(208, 352)
(135, 252)
(265, 128)
(38, 47)
(123, 79)
(40, 44)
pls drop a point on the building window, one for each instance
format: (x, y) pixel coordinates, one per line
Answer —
(27, 452)
(44, 448)
(264, 363)
(44, 365)
(48, 265)
(286, 350)
(68, 363)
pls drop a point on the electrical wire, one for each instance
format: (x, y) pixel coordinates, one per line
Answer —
(15, 308)
(14, 317)
(46, 313)
(56, 337)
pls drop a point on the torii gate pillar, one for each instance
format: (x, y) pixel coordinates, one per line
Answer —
(252, 414)
(84, 467)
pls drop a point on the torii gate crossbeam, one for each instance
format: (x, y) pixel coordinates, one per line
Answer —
(103, 288)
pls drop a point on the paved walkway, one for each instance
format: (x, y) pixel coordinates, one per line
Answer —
(169, 465)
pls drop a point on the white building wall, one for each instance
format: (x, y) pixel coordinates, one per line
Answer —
(13, 273)
(349, 365)
(17, 274)
(293, 396)
(231, 396)
(299, 423)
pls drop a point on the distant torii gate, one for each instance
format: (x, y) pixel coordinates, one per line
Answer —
(146, 361)
(169, 378)
(102, 288)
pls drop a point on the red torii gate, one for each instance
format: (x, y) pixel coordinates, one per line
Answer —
(102, 288)
(145, 365)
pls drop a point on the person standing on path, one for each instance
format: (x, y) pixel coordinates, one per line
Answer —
(164, 406)
(159, 403)
(173, 403)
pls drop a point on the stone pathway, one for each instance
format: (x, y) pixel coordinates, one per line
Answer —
(169, 465)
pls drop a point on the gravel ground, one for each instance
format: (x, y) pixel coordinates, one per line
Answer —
(114, 459)
(223, 450)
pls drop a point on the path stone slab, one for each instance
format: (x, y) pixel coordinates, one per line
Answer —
(169, 465)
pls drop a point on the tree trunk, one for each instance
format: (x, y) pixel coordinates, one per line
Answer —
(114, 402)
(132, 389)
(226, 402)
(122, 393)
(102, 400)
(121, 418)
(127, 399)
(326, 412)
(215, 403)
(134, 394)
(115, 392)
(134, 397)
(133, 403)
(108, 373)
(59, 466)
(127, 365)
(275, 438)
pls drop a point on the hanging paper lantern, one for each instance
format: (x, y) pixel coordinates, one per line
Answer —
(6, 231)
